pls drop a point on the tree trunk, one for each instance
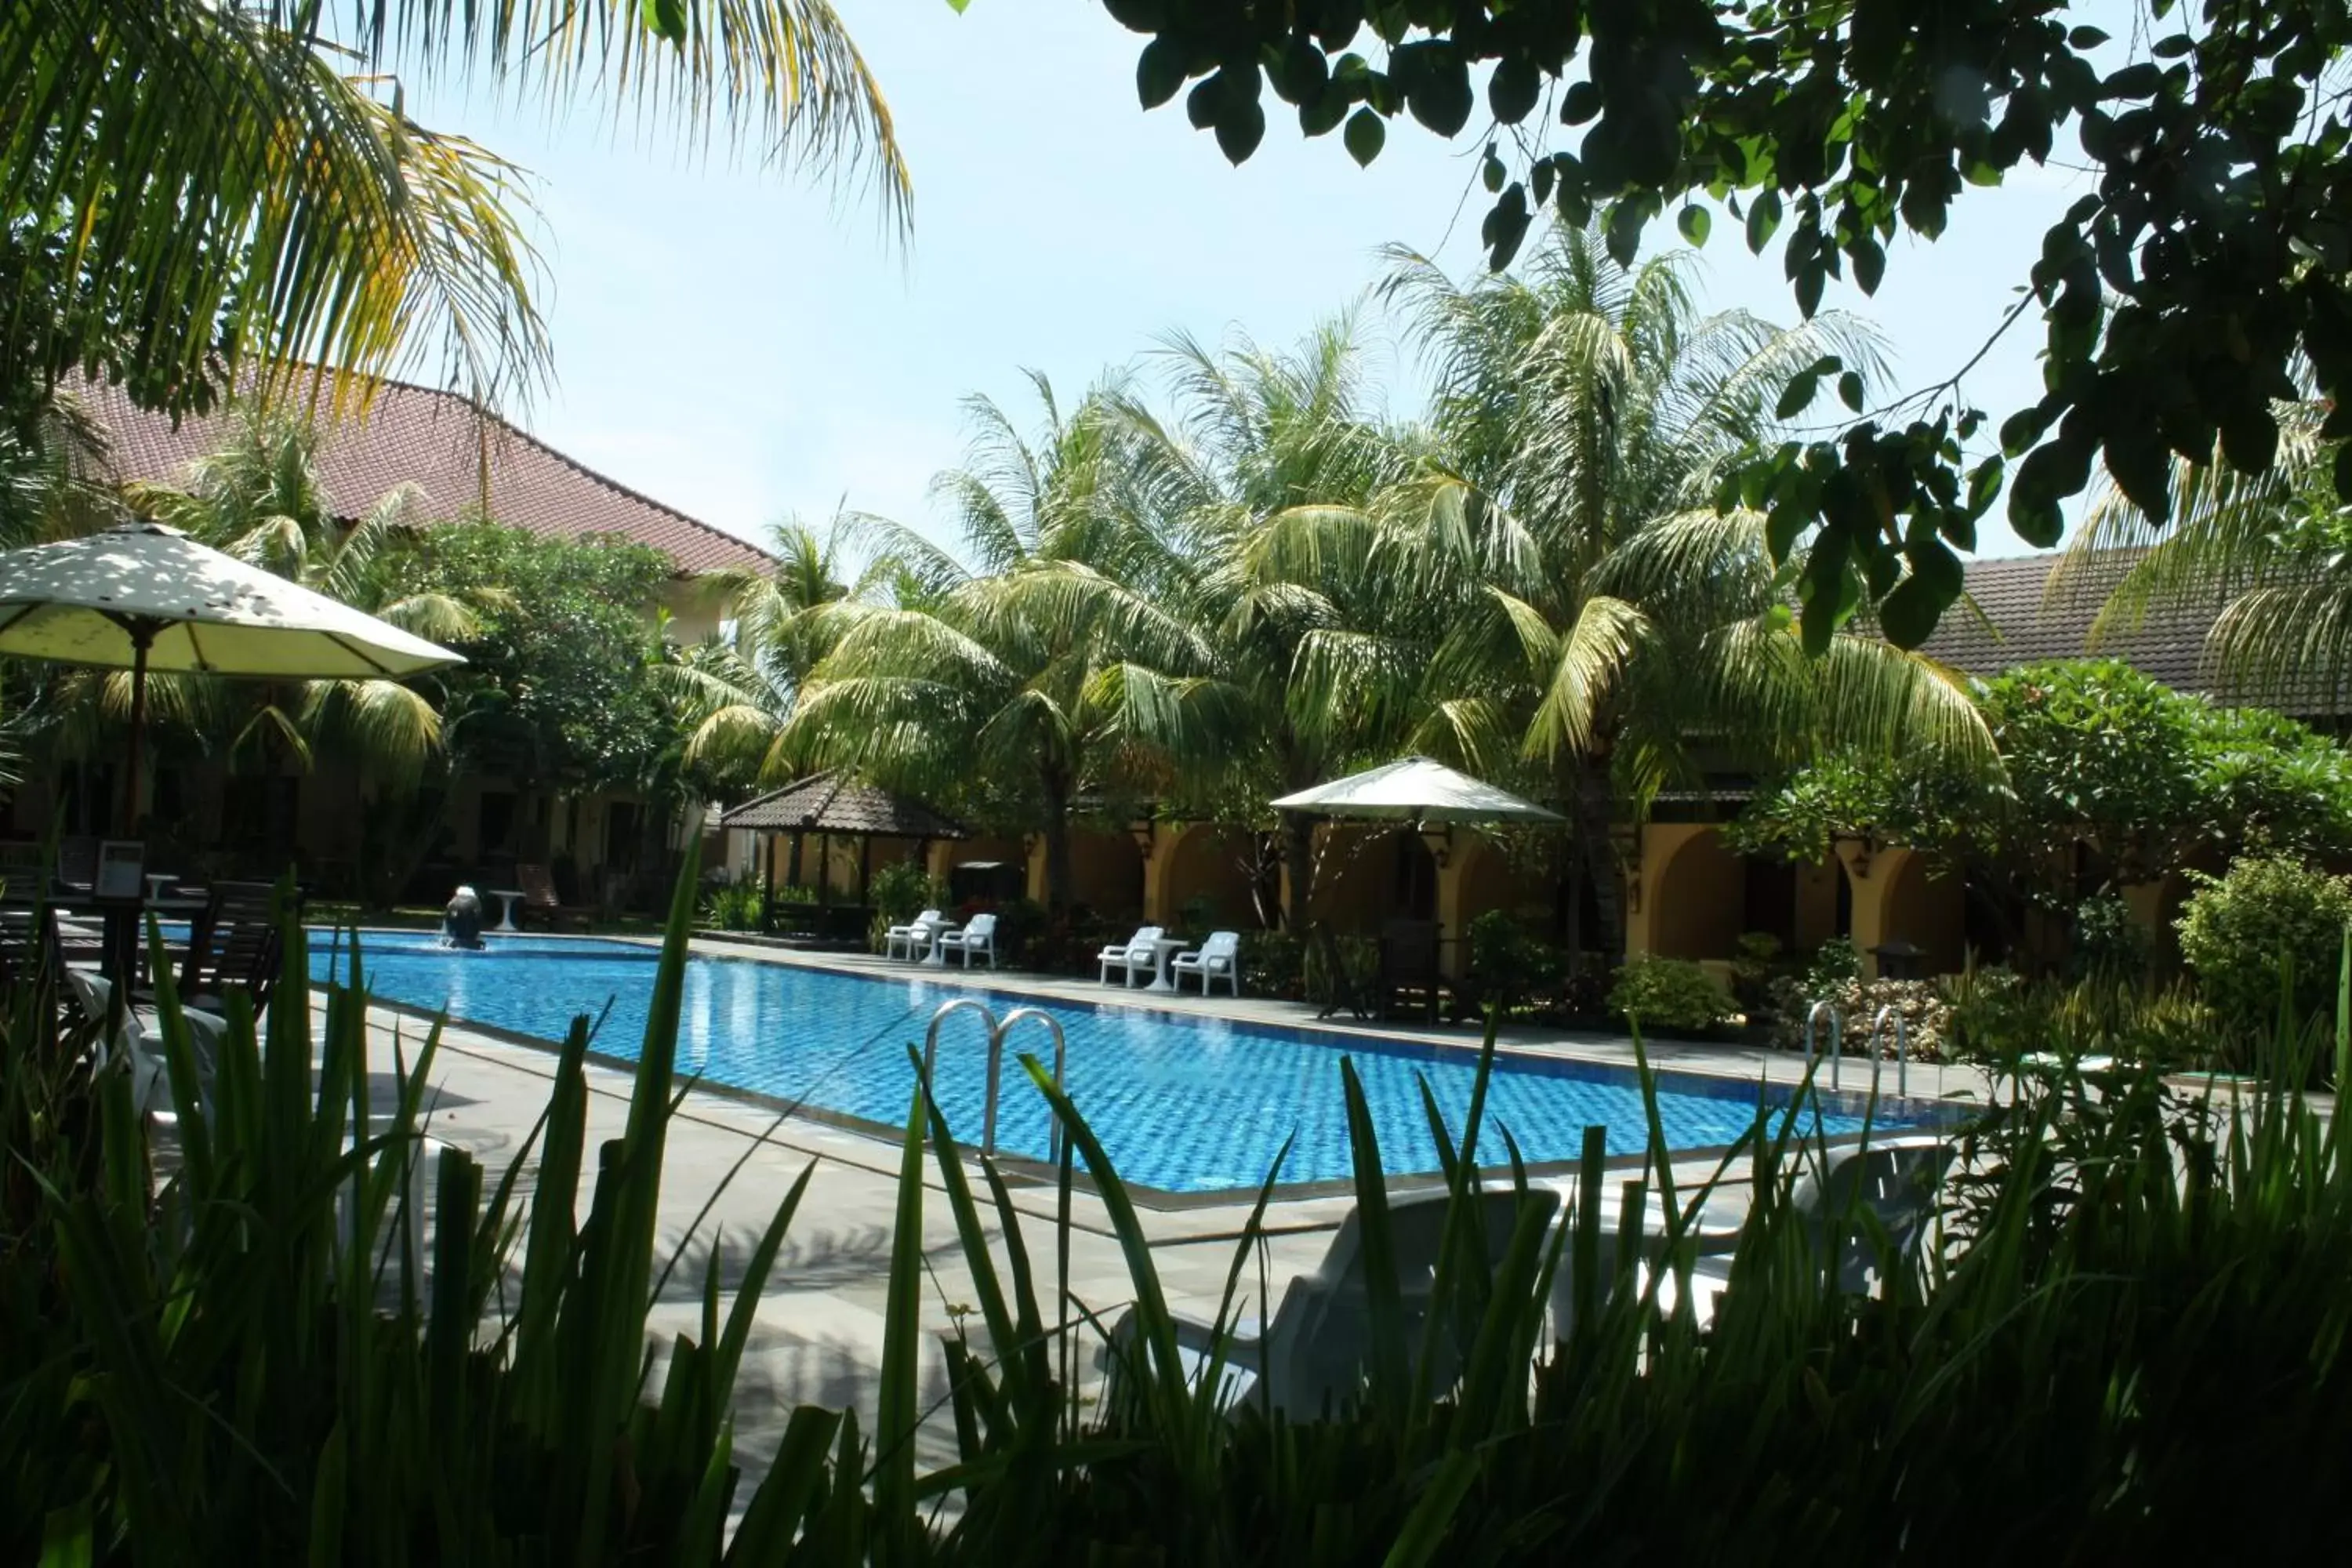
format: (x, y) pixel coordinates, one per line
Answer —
(1298, 853)
(1593, 807)
(1058, 876)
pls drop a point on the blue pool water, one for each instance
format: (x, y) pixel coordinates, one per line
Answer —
(1182, 1103)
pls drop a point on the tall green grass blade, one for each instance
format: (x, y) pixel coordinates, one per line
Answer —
(895, 1419)
(1390, 1375)
(1424, 1532)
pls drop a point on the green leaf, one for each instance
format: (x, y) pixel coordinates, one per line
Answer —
(1693, 221)
(1159, 71)
(1798, 394)
(1849, 390)
(1365, 134)
(1240, 128)
(1513, 89)
(2086, 39)
(1869, 264)
(1763, 220)
(1580, 103)
(666, 19)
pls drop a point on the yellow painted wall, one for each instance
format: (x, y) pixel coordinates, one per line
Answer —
(1925, 910)
(1695, 904)
(1203, 861)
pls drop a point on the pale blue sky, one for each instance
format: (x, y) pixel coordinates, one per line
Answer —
(743, 346)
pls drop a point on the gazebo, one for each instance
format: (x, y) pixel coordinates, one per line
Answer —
(833, 805)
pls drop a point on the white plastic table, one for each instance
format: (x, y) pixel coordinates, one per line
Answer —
(506, 897)
(939, 954)
(1163, 950)
(157, 881)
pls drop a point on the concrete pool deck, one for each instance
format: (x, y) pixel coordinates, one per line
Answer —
(819, 1323)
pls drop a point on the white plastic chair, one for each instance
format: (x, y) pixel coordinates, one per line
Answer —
(1138, 954)
(916, 936)
(151, 1077)
(1883, 1192)
(978, 936)
(1219, 958)
(1312, 1355)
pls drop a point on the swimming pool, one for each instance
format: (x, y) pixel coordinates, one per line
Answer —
(1183, 1102)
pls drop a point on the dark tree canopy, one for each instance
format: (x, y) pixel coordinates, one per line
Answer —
(2205, 277)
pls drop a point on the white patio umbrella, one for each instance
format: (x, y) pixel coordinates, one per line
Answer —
(147, 597)
(1415, 789)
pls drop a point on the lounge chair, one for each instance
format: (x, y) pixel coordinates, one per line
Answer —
(1219, 958)
(978, 936)
(539, 899)
(1881, 1199)
(1138, 954)
(235, 945)
(1311, 1356)
(1409, 967)
(915, 937)
(1342, 987)
(150, 1075)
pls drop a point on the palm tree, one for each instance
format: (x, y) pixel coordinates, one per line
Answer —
(261, 500)
(185, 182)
(2267, 556)
(1049, 662)
(1267, 458)
(735, 692)
(1561, 600)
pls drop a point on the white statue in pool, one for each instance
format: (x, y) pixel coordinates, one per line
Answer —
(461, 921)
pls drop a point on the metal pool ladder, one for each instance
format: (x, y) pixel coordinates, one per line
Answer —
(1877, 1033)
(997, 1029)
(1813, 1018)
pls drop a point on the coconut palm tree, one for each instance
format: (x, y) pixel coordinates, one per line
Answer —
(1051, 661)
(260, 498)
(2267, 556)
(735, 692)
(190, 187)
(1268, 457)
(1562, 601)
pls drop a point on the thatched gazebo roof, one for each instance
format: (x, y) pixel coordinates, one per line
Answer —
(831, 803)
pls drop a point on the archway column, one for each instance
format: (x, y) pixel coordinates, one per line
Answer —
(1656, 845)
(1156, 889)
(1873, 875)
(1453, 925)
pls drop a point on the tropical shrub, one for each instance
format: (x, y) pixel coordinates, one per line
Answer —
(901, 890)
(735, 906)
(1507, 963)
(2246, 933)
(1272, 964)
(2108, 943)
(1671, 995)
(1757, 960)
(1833, 964)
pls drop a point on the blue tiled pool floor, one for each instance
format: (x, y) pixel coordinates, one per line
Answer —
(1183, 1102)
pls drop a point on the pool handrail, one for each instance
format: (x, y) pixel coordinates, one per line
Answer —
(1836, 1029)
(1902, 1051)
(997, 1030)
(995, 1059)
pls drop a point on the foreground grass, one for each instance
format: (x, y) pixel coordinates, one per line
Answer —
(2126, 1338)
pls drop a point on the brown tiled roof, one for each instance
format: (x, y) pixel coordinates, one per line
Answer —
(2019, 618)
(830, 803)
(2016, 619)
(437, 441)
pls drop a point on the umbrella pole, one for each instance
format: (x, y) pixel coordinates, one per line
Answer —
(142, 639)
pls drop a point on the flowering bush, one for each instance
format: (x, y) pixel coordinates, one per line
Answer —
(1926, 1015)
